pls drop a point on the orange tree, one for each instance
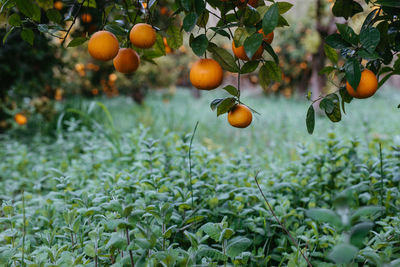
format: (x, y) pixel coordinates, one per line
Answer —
(147, 26)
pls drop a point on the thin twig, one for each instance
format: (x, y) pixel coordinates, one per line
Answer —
(73, 21)
(190, 160)
(280, 223)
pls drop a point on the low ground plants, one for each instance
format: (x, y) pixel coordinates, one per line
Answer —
(96, 197)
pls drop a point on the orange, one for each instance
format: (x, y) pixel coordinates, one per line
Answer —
(164, 10)
(168, 49)
(20, 119)
(58, 5)
(126, 61)
(241, 53)
(367, 86)
(240, 116)
(267, 37)
(206, 74)
(142, 35)
(86, 18)
(103, 46)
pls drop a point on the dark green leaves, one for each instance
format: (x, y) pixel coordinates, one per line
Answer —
(224, 58)
(189, 22)
(359, 232)
(199, 45)
(347, 34)
(252, 44)
(231, 90)
(331, 105)
(331, 54)
(53, 15)
(343, 253)
(28, 36)
(310, 119)
(325, 216)
(29, 8)
(389, 3)
(270, 20)
(353, 72)
(77, 41)
(223, 105)
(336, 41)
(14, 20)
(346, 8)
(369, 39)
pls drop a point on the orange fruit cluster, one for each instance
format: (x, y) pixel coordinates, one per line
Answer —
(366, 88)
(104, 46)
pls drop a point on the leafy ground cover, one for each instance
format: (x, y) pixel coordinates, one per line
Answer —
(97, 196)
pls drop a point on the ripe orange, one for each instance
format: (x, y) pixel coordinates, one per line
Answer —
(126, 61)
(241, 53)
(206, 74)
(367, 87)
(20, 119)
(103, 45)
(240, 116)
(142, 35)
(86, 18)
(168, 49)
(267, 37)
(58, 5)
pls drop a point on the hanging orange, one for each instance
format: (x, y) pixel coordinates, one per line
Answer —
(103, 45)
(240, 116)
(126, 61)
(241, 53)
(267, 37)
(366, 88)
(142, 35)
(58, 5)
(206, 74)
(86, 18)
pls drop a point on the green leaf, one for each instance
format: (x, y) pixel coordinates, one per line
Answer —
(366, 211)
(211, 229)
(174, 37)
(388, 3)
(28, 35)
(331, 54)
(263, 76)
(359, 232)
(346, 8)
(199, 45)
(284, 7)
(369, 39)
(29, 8)
(347, 34)
(249, 66)
(77, 41)
(270, 20)
(224, 58)
(8, 34)
(54, 15)
(231, 90)
(345, 96)
(252, 44)
(205, 251)
(274, 72)
(271, 51)
(236, 246)
(226, 234)
(225, 106)
(215, 103)
(327, 70)
(333, 109)
(325, 216)
(310, 119)
(116, 241)
(353, 72)
(89, 250)
(343, 253)
(189, 21)
(115, 29)
(336, 41)
(14, 20)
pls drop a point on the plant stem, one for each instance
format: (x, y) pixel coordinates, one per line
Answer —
(280, 223)
(190, 160)
(382, 174)
(130, 251)
(23, 228)
(73, 21)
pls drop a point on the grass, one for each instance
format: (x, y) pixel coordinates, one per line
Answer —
(124, 195)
